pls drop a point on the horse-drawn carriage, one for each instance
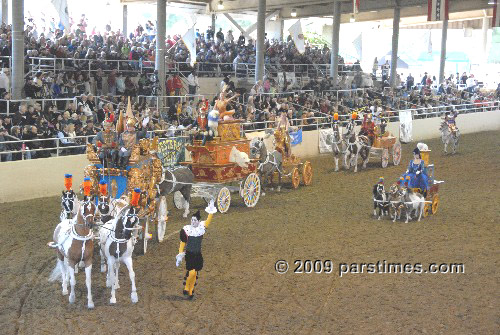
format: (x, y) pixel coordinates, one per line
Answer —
(384, 146)
(221, 166)
(432, 193)
(144, 171)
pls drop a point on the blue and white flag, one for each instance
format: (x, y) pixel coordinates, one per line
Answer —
(296, 137)
(189, 40)
(61, 7)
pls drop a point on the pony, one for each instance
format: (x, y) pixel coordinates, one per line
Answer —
(105, 215)
(74, 241)
(117, 245)
(449, 135)
(178, 179)
(380, 200)
(355, 146)
(337, 143)
(269, 162)
(395, 200)
(413, 202)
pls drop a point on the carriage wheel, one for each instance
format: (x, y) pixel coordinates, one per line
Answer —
(162, 219)
(427, 210)
(385, 157)
(435, 203)
(307, 173)
(295, 178)
(396, 153)
(223, 200)
(251, 190)
(178, 200)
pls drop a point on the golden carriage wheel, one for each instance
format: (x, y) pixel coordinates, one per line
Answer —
(396, 153)
(307, 173)
(250, 191)
(435, 203)
(295, 177)
(427, 208)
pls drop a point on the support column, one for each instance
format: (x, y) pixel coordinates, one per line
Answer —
(261, 29)
(282, 30)
(444, 36)
(5, 11)
(17, 78)
(161, 18)
(125, 15)
(486, 23)
(395, 40)
(213, 24)
(334, 64)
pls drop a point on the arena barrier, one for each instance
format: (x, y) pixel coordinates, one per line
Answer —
(30, 179)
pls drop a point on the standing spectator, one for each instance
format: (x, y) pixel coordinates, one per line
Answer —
(410, 81)
(375, 67)
(112, 83)
(193, 83)
(177, 84)
(120, 84)
(4, 80)
(241, 40)
(220, 36)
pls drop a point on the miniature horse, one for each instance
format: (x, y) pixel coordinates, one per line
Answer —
(117, 245)
(69, 205)
(269, 162)
(74, 241)
(356, 146)
(380, 201)
(413, 201)
(337, 144)
(178, 179)
(449, 135)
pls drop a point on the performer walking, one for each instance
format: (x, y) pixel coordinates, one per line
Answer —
(190, 247)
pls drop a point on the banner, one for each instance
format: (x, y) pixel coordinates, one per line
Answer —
(296, 137)
(189, 40)
(405, 127)
(61, 7)
(297, 36)
(325, 135)
(496, 14)
(355, 5)
(437, 10)
(171, 151)
(358, 45)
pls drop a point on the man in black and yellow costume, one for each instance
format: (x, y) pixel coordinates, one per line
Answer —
(190, 247)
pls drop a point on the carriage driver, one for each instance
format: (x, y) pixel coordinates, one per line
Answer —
(128, 139)
(283, 126)
(190, 247)
(106, 142)
(368, 128)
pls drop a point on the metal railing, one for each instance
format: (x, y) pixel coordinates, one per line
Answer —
(10, 104)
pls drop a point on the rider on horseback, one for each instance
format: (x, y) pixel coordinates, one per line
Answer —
(449, 120)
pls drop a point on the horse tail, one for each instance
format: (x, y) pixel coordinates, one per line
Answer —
(56, 273)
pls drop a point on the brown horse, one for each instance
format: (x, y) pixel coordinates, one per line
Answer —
(74, 241)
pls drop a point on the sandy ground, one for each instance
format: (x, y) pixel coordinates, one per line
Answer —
(239, 291)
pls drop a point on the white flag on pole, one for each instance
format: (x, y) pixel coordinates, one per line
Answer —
(61, 7)
(189, 40)
(297, 36)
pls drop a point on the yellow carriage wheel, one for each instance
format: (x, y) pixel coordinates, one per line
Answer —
(223, 200)
(396, 153)
(307, 173)
(426, 210)
(295, 177)
(385, 157)
(251, 190)
(435, 203)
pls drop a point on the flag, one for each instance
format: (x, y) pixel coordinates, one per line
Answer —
(61, 7)
(189, 40)
(296, 137)
(297, 36)
(437, 10)
(355, 5)
(496, 14)
(358, 45)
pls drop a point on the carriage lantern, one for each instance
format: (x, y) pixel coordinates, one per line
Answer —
(68, 181)
(103, 188)
(86, 186)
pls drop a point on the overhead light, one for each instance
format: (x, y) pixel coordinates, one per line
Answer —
(220, 6)
(352, 19)
(294, 13)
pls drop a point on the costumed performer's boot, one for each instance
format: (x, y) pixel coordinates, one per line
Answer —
(190, 283)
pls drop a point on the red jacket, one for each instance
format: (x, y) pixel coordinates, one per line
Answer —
(177, 83)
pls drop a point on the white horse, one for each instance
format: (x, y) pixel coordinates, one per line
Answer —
(449, 135)
(414, 202)
(356, 146)
(337, 143)
(117, 245)
(74, 241)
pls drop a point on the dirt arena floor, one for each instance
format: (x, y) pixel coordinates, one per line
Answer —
(239, 291)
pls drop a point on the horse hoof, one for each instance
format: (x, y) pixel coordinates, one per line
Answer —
(378, 218)
(134, 297)
(278, 189)
(103, 268)
(71, 298)
(112, 301)
(65, 292)
(262, 194)
(90, 305)
(108, 284)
